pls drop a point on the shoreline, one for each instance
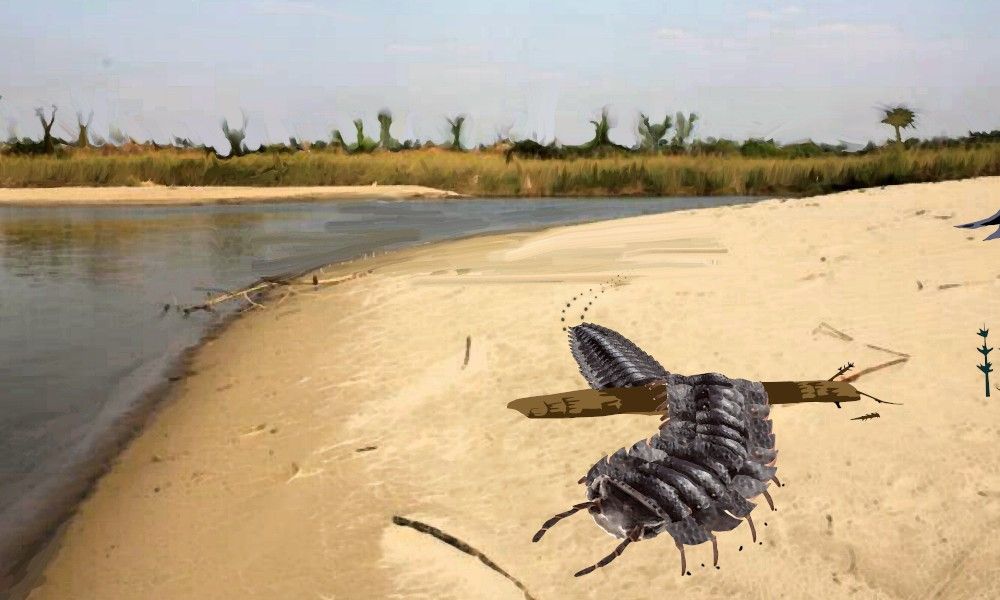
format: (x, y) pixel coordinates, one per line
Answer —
(366, 314)
(160, 195)
(41, 536)
(43, 531)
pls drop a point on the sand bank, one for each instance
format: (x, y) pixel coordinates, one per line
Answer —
(170, 195)
(276, 469)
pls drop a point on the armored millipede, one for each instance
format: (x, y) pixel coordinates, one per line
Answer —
(697, 474)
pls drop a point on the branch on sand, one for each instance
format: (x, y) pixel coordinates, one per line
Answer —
(460, 545)
(643, 401)
(263, 285)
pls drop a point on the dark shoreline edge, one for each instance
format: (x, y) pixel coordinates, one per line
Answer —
(28, 556)
(43, 538)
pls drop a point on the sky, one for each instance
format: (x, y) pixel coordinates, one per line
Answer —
(541, 69)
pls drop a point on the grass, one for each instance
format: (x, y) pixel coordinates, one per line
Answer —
(488, 174)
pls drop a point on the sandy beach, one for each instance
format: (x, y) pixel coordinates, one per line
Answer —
(170, 195)
(276, 467)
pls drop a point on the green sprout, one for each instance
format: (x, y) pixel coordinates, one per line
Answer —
(987, 366)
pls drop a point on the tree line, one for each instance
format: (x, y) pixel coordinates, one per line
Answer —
(666, 135)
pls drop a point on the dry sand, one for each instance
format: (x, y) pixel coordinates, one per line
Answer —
(249, 484)
(171, 195)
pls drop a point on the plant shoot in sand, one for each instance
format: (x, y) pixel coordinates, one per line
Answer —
(987, 366)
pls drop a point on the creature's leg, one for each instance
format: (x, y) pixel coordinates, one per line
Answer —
(775, 480)
(770, 501)
(607, 559)
(715, 551)
(559, 517)
(753, 530)
(684, 564)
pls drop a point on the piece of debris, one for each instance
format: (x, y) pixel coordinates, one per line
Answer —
(884, 365)
(828, 329)
(873, 415)
(460, 545)
(893, 352)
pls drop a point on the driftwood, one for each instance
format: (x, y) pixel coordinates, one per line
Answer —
(643, 401)
(262, 285)
(458, 544)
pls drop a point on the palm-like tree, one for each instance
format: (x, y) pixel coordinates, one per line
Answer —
(601, 143)
(456, 125)
(82, 140)
(48, 142)
(899, 117)
(651, 134)
(235, 137)
(385, 139)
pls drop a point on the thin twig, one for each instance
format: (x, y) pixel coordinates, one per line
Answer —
(879, 401)
(857, 375)
(842, 370)
(246, 296)
(468, 346)
(873, 415)
(874, 347)
(460, 545)
(834, 332)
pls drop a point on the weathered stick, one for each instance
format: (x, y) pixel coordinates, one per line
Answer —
(240, 293)
(640, 400)
(259, 286)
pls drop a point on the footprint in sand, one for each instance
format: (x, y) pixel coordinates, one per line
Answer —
(582, 302)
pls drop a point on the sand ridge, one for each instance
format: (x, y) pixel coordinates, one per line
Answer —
(277, 468)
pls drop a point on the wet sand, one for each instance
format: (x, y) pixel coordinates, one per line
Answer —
(181, 195)
(276, 467)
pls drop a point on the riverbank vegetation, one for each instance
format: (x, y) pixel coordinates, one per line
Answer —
(661, 163)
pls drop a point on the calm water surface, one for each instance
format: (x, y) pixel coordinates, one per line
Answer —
(84, 333)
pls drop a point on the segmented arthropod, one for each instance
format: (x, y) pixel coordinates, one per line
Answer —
(697, 474)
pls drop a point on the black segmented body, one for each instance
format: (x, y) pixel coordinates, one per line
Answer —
(696, 475)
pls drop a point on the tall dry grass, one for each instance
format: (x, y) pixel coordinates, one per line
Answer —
(488, 174)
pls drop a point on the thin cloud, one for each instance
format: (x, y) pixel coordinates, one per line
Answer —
(296, 8)
(774, 15)
(408, 49)
(843, 29)
(673, 34)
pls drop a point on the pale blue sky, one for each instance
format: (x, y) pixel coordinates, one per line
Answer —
(544, 68)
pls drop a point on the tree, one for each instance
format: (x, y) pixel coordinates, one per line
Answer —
(602, 131)
(117, 136)
(601, 141)
(685, 125)
(651, 134)
(456, 125)
(898, 117)
(48, 142)
(385, 139)
(235, 137)
(363, 144)
(82, 141)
